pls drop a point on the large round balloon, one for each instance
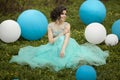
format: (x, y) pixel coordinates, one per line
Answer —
(85, 72)
(116, 28)
(9, 31)
(33, 24)
(111, 40)
(0, 31)
(95, 33)
(92, 11)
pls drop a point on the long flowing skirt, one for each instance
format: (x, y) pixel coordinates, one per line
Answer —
(49, 55)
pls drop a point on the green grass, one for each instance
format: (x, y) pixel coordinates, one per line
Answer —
(110, 71)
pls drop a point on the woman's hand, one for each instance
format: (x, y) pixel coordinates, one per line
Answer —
(62, 54)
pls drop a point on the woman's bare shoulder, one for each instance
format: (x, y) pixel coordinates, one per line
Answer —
(67, 24)
(51, 23)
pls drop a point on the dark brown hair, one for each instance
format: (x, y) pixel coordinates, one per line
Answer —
(55, 14)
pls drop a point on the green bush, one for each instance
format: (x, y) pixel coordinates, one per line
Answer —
(12, 9)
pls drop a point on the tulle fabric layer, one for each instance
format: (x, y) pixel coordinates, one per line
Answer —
(49, 55)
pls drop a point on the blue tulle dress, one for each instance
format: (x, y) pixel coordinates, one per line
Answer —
(48, 55)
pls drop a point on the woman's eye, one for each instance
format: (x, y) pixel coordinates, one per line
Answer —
(63, 13)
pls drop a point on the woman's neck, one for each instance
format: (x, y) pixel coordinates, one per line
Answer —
(59, 22)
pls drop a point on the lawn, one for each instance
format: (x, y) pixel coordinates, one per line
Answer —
(109, 71)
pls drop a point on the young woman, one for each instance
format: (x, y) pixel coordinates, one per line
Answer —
(61, 51)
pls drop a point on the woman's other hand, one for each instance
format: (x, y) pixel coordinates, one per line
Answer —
(62, 54)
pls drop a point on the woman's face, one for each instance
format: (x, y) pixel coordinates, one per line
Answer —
(63, 16)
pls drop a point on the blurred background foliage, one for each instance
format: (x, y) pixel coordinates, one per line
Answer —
(11, 9)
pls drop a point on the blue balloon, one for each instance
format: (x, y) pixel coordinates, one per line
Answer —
(33, 24)
(116, 28)
(85, 72)
(92, 11)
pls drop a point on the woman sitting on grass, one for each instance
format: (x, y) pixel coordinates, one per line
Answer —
(61, 51)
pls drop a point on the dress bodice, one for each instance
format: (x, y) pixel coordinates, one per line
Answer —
(57, 31)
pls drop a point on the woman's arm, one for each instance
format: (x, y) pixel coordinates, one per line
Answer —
(50, 36)
(66, 40)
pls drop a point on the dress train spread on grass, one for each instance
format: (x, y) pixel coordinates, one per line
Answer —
(48, 55)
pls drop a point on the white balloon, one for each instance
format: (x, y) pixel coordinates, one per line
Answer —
(10, 31)
(0, 31)
(95, 33)
(111, 40)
